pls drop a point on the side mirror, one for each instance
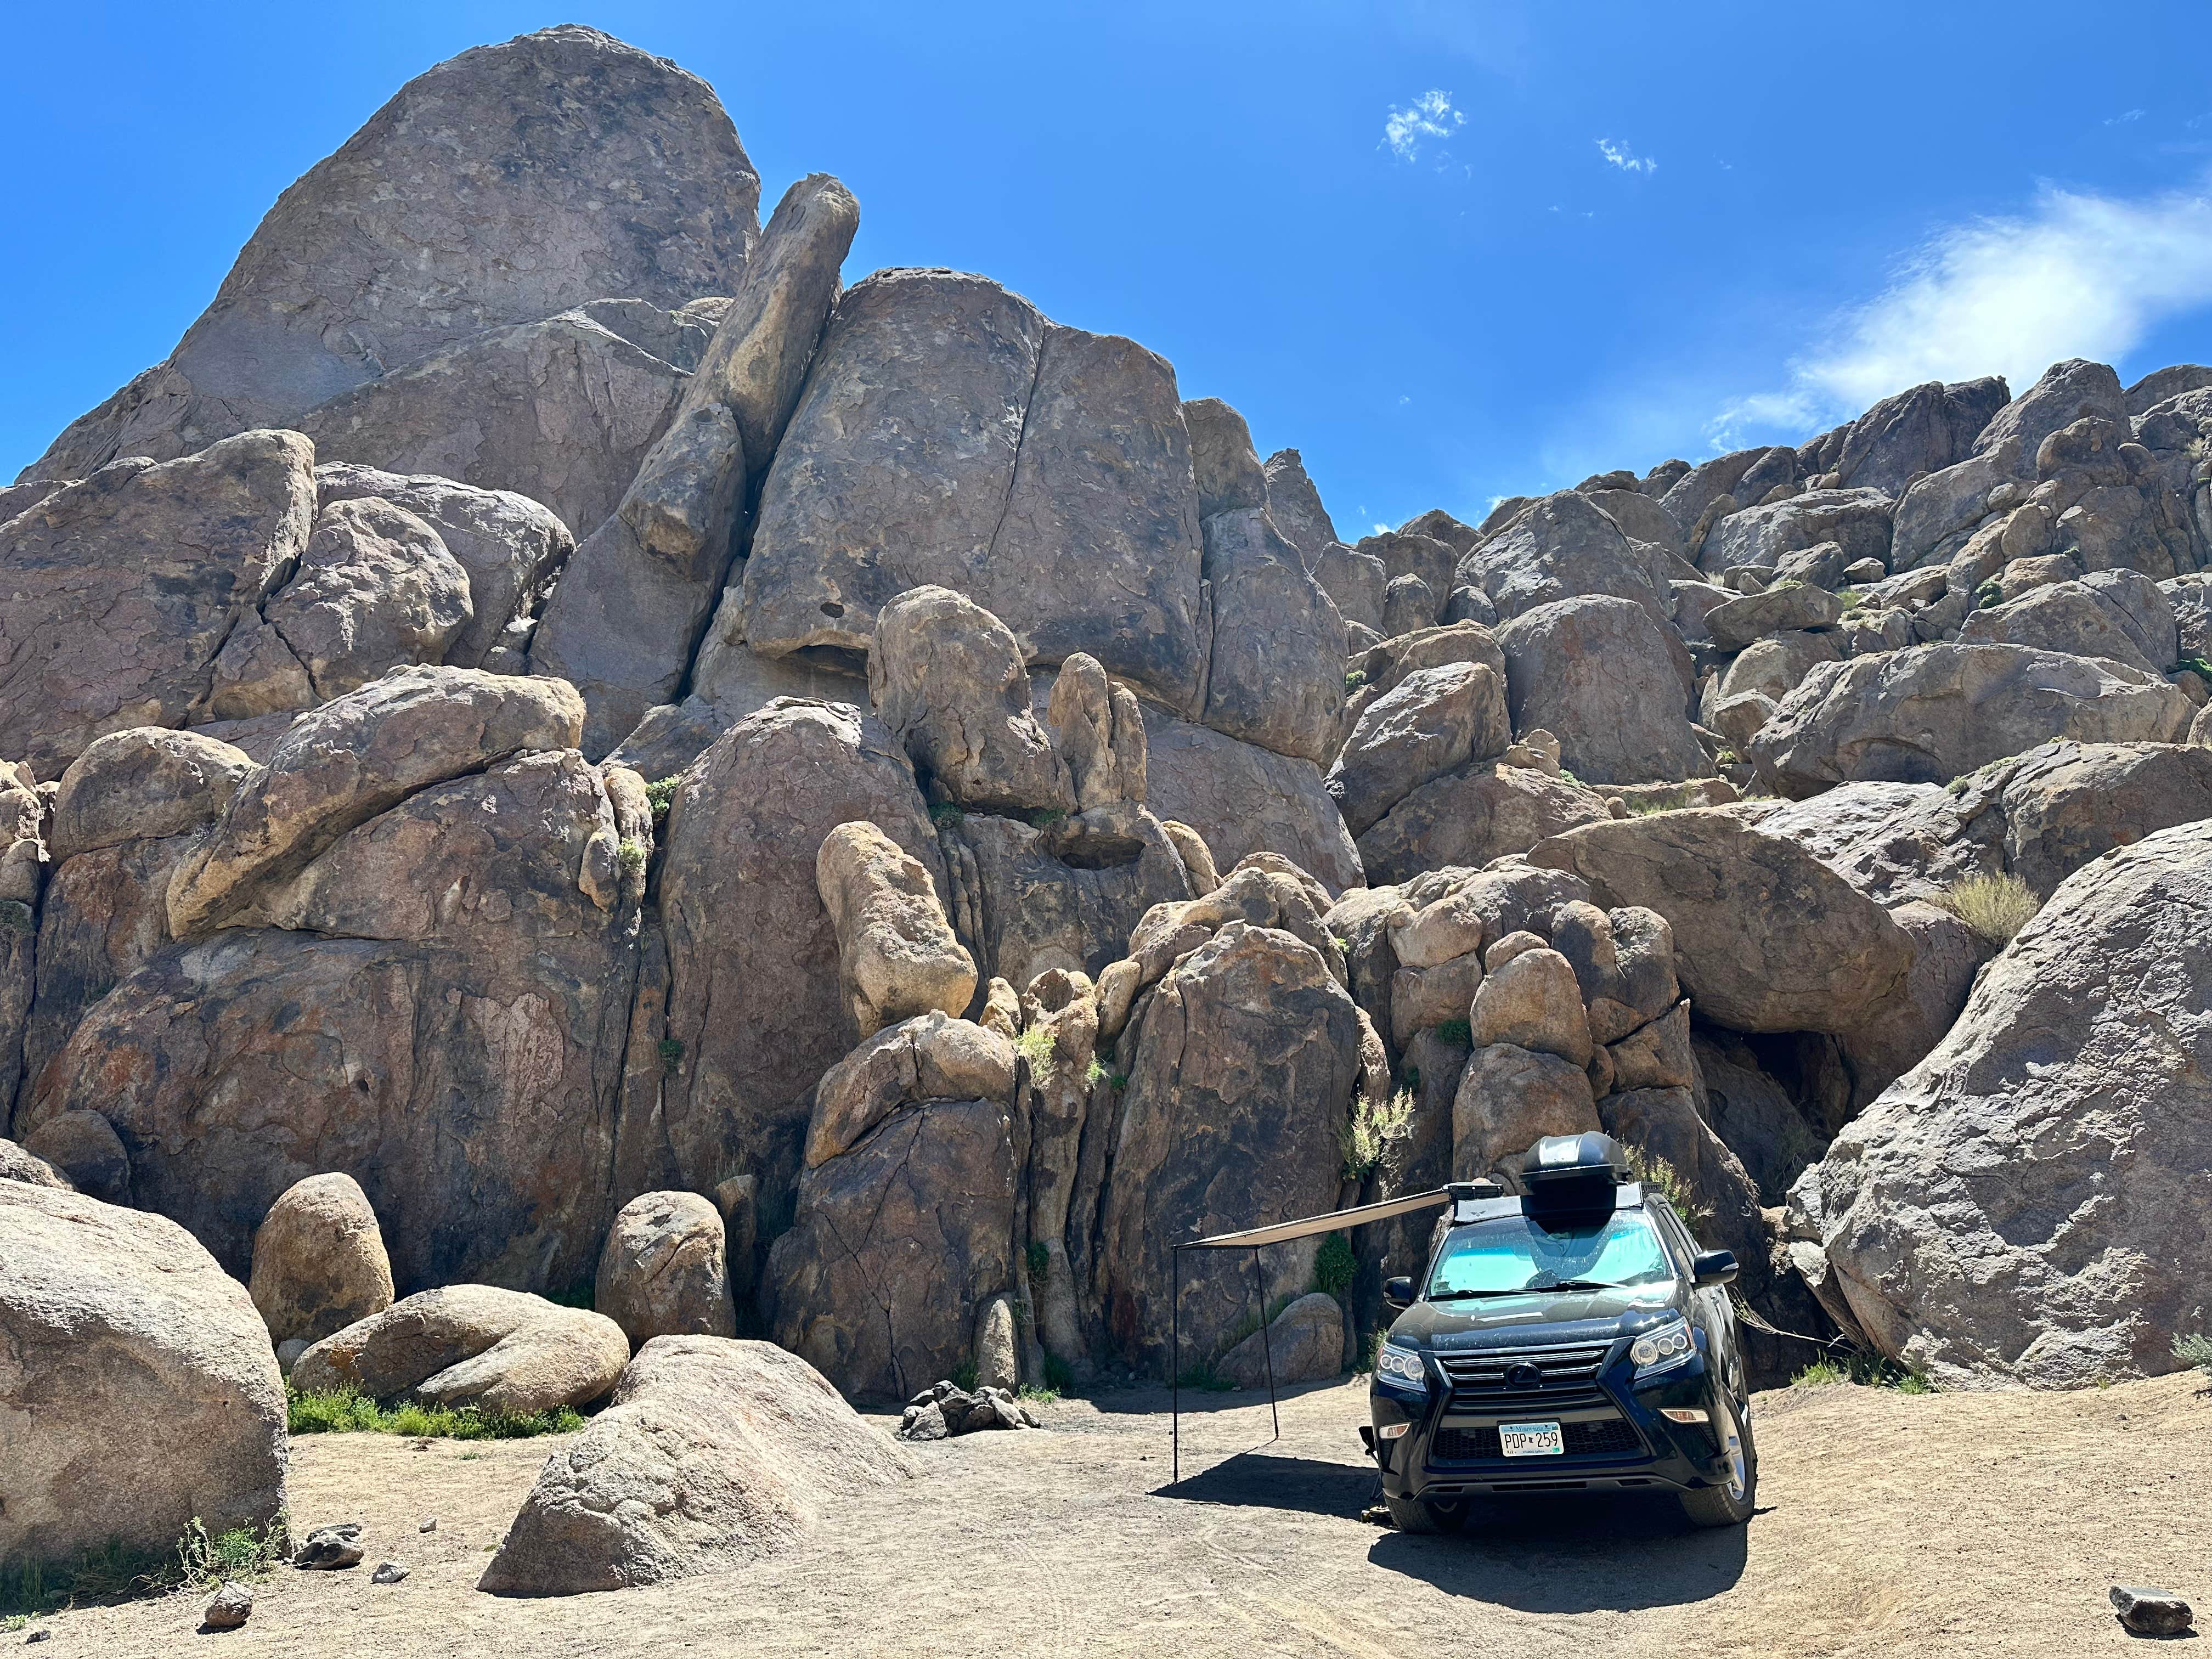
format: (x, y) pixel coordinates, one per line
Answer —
(1710, 1269)
(1398, 1293)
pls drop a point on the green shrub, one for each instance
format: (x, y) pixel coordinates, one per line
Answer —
(112, 1572)
(1335, 1265)
(1821, 1374)
(1658, 1173)
(1034, 1045)
(659, 795)
(1355, 679)
(1456, 1031)
(1995, 907)
(1373, 1129)
(1852, 599)
(1865, 1372)
(1045, 817)
(2195, 1351)
(633, 856)
(343, 1411)
(1040, 1260)
(1058, 1378)
(1096, 1072)
(672, 1053)
(1364, 1365)
(945, 815)
(1044, 1395)
(1988, 595)
(963, 1375)
(2197, 665)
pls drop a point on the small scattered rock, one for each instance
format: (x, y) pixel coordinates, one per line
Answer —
(334, 1546)
(946, 1409)
(2151, 1612)
(430, 1524)
(232, 1606)
(38, 1636)
(388, 1572)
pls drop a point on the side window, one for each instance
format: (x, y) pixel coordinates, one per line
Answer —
(1678, 1241)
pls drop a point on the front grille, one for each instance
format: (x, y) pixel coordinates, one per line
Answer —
(1527, 1379)
(1611, 1437)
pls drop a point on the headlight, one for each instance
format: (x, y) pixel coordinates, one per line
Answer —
(1670, 1345)
(1402, 1366)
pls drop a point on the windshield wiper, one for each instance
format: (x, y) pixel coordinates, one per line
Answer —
(1582, 1285)
(1456, 1296)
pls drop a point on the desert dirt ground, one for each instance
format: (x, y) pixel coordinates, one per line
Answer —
(1943, 1524)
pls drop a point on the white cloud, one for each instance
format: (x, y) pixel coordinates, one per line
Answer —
(1429, 116)
(1618, 155)
(1381, 530)
(2077, 276)
(2123, 117)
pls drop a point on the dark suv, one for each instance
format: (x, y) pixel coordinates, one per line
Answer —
(1573, 1338)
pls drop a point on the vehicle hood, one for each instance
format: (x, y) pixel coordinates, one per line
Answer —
(1508, 1321)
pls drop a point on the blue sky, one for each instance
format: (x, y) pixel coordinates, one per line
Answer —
(1450, 252)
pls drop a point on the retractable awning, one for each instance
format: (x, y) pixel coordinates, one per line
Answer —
(1253, 1239)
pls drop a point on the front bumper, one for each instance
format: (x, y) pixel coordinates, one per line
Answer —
(1616, 1442)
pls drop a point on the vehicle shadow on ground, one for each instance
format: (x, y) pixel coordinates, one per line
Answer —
(1574, 1555)
(1277, 1480)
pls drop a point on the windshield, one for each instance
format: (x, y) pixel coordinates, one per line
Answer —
(1515, 1252)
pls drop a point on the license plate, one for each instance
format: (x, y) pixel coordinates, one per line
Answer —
(1531, 1440)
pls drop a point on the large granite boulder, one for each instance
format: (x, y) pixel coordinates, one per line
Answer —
(755, 997)
(665, 1270)
(511, 547)
(471, 1344)
(1922, 429)
(563, 411)
(627, 614)
(1276, 674)
(2068, 391)
(930, 1057)
(2117, 614)
(1244, 798)
(1294, 506)
(1432, 722)
(1858, 520)
(1241, 1072)
(1508, 1098)
(896, 954)
(1469, 817)
(712, 1453)
(897, 1245)
(374, 590)
(141, 1391)
(1564, 548)
(1098, 730)
(540, 174)
(2028, 1204)
(949, 434)
(1766, 937)
(436, 1003)
(1228, 469)
(947, 677)
(1304, 1343)
(356, 756)
(319, 1260)
(1598, 673)
(122, 588)
(1934, 711)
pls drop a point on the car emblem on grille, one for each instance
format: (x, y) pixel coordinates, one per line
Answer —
(1524, 1376)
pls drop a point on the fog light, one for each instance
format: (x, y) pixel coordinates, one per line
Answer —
(1684, 1414)
(1393, 1430)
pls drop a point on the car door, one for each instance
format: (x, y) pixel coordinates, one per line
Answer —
(1711, 1310)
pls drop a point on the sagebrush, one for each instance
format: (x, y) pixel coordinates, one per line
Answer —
(1373, 1129)
(1996, 907)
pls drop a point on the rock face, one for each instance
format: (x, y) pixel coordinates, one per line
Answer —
(712, 1454)
(1433, 721)
(1928, 714)
(375, 589)
(900, 470)
(1242, 1073)
(389, 1007)
(755, 998)
(1472, 815)
(319, 1260)
(471, 1344)
(894, 1244)
(554, 169)
(123, 589)
(1768, 939)
(1294, 506)
(625, 620)
(665, 1270)
(1597, 674)
(2026, 1205)
(1276, 676)
(115, 1322)
(1565, 547)
(1244, 798)
(897, 955)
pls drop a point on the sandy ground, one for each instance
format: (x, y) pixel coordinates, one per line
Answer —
(1946, 1524)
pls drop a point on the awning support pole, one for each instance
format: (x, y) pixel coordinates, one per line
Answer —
(1266, 1348)
(1175, 1364)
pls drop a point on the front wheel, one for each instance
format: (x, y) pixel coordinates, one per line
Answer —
(1424, 1514)
(1735, 1503)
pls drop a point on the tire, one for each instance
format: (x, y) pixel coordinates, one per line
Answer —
(1420, 1515)
(1735, 1503)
